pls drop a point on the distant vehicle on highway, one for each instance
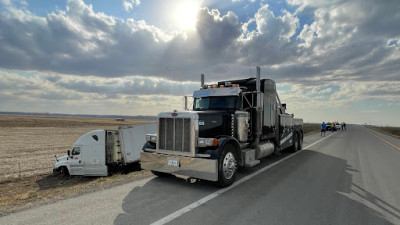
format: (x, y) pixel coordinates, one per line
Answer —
(328, 126)
(337, 126)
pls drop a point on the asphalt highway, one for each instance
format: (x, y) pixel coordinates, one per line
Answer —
(347, 177)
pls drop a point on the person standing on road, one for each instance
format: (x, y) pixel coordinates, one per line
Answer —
(323, 128)
(344, 124)
(333, 126)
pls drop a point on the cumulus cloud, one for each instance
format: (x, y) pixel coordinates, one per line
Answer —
(271, 42)
(351, 38)
(83, 42)
(131, 95)
(128, 4)
(6, 2)
(331, 95)
(348, 48)
(243, 0)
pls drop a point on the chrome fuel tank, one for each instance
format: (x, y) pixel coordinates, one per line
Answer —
(242, 127)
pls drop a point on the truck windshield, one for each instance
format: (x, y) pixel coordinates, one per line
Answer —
(210, 103)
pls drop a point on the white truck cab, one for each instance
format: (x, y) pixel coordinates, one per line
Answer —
(98, 151)
(87, 156)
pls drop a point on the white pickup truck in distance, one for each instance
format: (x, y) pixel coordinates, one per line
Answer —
(99, 152)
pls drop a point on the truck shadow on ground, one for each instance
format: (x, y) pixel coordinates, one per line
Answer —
(296, 191)
(51, 181)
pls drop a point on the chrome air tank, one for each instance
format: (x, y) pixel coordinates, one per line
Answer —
(242, 125)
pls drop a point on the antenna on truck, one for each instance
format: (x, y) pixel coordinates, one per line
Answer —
(173, 78)
(248, 63)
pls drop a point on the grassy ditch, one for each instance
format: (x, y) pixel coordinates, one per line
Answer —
(393, 131)
(311, 128)
(24, 193)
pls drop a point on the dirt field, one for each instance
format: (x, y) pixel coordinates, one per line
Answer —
(29, 143)
(27, 149)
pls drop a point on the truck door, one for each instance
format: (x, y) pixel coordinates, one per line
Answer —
(76, 165)
(94, 156)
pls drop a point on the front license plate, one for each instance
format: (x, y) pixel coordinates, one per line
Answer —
(173, 162)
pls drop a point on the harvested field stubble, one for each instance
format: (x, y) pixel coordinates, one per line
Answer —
(28, 143)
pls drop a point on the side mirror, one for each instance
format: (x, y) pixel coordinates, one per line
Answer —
(69, 152)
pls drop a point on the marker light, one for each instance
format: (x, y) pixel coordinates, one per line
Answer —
(215, 142)
(151, 137)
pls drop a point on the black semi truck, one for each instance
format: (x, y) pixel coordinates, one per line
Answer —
(232, 124)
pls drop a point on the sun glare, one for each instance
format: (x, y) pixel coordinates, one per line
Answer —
(186, 13)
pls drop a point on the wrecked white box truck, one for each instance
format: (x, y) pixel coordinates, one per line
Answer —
(100, 152)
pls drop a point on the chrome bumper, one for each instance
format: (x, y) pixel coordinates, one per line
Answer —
(206, 169)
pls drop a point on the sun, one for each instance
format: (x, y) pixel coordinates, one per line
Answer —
(186, 14)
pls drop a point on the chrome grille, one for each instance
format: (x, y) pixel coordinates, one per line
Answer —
(174, 134)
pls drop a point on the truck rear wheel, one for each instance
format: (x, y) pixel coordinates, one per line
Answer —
(227, 166)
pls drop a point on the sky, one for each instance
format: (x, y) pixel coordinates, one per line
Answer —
(332, 60)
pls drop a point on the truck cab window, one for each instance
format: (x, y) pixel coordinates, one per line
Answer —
(76, 151)
(215, 103)
(201, 103)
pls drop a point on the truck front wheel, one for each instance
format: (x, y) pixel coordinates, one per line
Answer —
(301, 141)
(295, 145)
(227, 166)
(64, 171)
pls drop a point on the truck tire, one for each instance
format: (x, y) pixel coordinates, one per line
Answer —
(227, 166)
(295, 145)
(301, 141)
(64, 171)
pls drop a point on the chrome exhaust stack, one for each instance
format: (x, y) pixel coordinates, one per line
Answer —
(259, 108)
(202, 81)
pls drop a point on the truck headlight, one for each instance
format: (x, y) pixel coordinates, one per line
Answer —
(204, 142)
(151, 137)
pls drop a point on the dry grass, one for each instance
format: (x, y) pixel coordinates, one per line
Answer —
(394, 131)
(29, 192)
(311, 128)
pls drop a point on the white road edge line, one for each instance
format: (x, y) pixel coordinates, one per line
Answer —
(188, 208)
